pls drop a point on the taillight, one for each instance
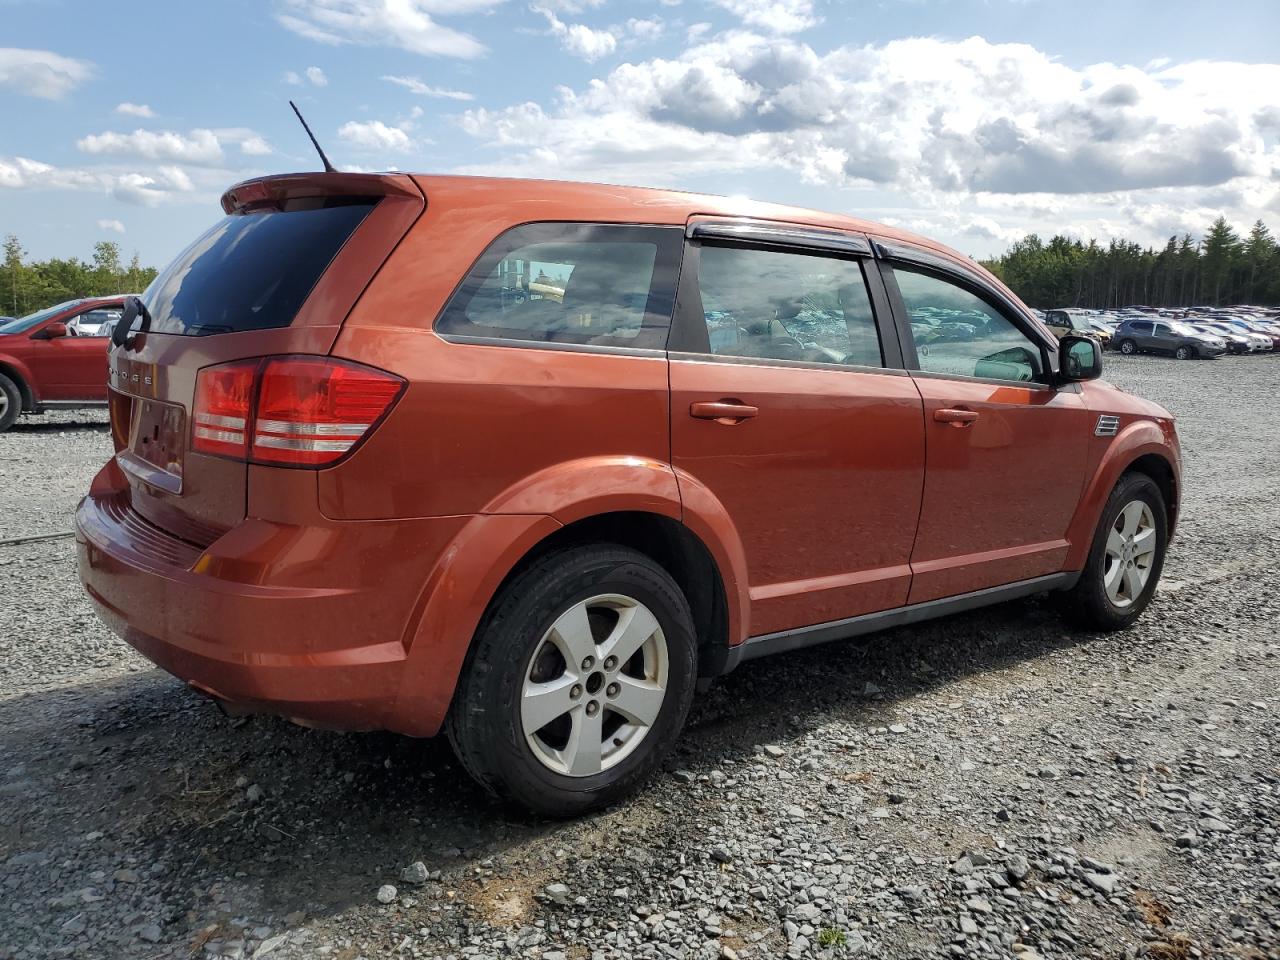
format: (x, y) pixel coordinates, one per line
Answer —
(290, 411)
(224, 404)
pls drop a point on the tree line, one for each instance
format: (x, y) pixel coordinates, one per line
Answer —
(1223, 268)
(28, 286)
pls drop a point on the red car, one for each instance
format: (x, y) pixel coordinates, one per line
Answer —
(56, 357)
(527, 461)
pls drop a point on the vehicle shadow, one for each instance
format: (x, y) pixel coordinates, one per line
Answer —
(164, 775)
(26, 424)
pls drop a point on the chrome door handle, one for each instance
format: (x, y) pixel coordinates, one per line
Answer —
(722, 410)
(956, 416)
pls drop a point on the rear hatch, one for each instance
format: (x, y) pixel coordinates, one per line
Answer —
(277, 275)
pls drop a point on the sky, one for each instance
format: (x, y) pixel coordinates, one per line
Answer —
(974, 122)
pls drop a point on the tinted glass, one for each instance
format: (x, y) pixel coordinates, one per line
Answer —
(786, 306)
(32, 319)
(571, 283)
(251, 271)
(956, 332)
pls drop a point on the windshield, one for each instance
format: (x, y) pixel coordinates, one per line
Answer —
(35, 319)
(1183, 329)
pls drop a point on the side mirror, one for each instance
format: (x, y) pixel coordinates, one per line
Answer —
(52, 331)
(1079, 358)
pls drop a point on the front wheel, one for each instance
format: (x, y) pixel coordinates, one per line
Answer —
(1185, 353)
(578, 681)
(10, 403)
(1128, 347)
(1126, 557)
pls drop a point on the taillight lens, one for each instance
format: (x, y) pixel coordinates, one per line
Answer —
(299, 411)
(223, 407)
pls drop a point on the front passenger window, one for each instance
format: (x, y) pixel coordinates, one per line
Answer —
(958, 333)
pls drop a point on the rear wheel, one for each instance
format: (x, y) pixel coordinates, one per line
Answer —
(1185, 353)
(10, 402)
(1126, 557)
(578, 682)
(1128, 347)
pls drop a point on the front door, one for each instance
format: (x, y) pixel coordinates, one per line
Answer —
(784, 407)
(1005, 449)
(69, 367)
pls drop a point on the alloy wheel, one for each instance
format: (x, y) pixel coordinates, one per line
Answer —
(1130, 553)
(4, 404)
(595, 685)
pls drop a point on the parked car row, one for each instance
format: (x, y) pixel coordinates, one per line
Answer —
(1186, 333)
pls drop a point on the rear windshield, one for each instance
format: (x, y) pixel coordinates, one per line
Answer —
(251, 271)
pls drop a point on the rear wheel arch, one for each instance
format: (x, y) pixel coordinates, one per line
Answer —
(670, 544)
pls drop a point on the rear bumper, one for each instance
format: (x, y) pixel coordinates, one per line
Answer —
(275, 619)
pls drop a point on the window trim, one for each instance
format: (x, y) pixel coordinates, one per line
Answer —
(502, 245)
(930, 265)
(689, 340)
(777, 234)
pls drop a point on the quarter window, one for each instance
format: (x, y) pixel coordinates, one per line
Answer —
(571, 283)
(786, 306)
(956, 332)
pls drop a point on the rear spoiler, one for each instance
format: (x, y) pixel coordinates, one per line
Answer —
(275, 191)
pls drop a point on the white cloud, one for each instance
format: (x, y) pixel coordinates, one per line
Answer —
(135, 110)
(921, 114)
(414, 85)
(579, 39)
(403, 24)
(645, 30)
(200, 146)
(775, 16)
(374, 135)
(41, 73)
(145, 189)
(312, 75)
(590, 43)
(985, 139)
(250, 141)
(114, 226)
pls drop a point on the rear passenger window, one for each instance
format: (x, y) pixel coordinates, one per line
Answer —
(589, 284)
(786, 306)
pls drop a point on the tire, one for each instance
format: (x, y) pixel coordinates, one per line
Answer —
(1089, 603)
(1185, 353)
(10, 403)
(1128, 347)
(517, 651)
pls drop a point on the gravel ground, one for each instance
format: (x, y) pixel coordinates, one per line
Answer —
(989, 785)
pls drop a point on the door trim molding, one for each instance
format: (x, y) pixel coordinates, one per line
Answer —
(797, 639)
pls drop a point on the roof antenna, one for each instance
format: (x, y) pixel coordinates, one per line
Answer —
(328, 167)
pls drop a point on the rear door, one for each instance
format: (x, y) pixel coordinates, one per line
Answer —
(277, 275)
(1005, 448)
(790, 406)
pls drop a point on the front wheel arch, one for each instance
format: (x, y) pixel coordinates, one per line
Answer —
(28, 395)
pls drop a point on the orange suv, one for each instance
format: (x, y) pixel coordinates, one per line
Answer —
(530, 461)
